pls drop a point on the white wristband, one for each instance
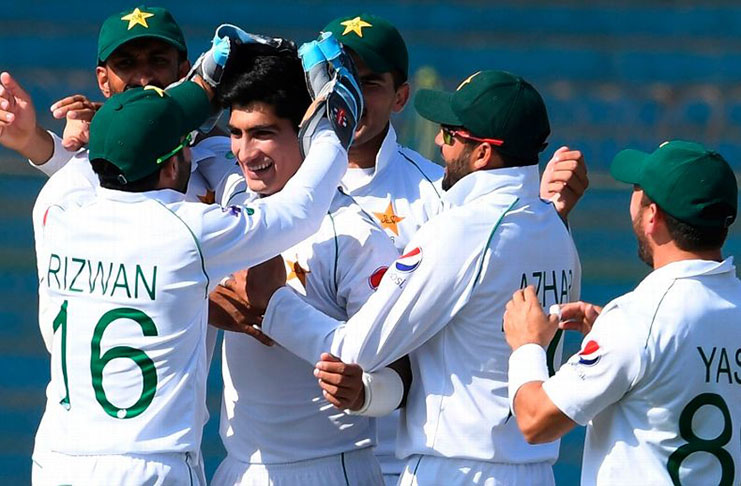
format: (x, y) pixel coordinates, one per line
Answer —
(527, 363)
(384, 391)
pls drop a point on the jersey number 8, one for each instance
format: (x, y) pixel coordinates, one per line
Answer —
(98, 362)
(697, 444)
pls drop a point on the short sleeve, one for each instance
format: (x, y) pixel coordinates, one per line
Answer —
(608, 365)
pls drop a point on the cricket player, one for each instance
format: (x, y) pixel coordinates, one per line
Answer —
(398, 186)
(275, 425)
(130, 270)
(658, 379)
(442, 301)
(138, 47)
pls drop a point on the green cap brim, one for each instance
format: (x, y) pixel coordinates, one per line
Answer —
(105, 53)
(436, 106)
(376, 63)
(627, 166)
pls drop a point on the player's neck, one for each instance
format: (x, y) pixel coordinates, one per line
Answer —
(364, 156)
(672, 254)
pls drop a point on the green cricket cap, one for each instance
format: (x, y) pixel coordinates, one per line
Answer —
(493, 105)
(689, 182)
(153, 22)
(375, 40)
(140, 128)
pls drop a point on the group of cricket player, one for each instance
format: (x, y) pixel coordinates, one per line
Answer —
(385, 320)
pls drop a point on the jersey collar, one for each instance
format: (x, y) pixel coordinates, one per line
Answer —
(691, 268)
(385, 155)
(166, 196)
(520, 182)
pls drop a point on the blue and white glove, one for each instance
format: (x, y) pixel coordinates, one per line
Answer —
(239, 36)
(210, 64)
(331, 78)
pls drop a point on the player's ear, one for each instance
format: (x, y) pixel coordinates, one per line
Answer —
(401, 97)
(102, 74)
(653, 217)
(483, 156)
(168, 173)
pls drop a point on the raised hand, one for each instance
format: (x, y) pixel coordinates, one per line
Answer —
(332, 82)
(564, 180)
(79, 111)
(19, 130)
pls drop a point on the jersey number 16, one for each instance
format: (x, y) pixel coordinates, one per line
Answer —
(98, 362)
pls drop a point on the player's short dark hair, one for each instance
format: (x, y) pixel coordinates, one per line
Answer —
(258, 73)
(688, 237)
(111, 177)
(512, 161)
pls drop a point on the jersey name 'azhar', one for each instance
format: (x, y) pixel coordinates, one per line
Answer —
(111, 279)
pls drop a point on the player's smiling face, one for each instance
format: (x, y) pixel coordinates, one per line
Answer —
(140, 62)
(380, 99)
(265, 146)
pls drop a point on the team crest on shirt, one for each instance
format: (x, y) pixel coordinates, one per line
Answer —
(590, 354)
(410, 261)
(375, 279)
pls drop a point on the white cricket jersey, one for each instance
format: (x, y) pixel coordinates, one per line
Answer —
(127, 277)
(403, 192)
(442, 303)
(658, 381)
(71, 178)
(275, 412)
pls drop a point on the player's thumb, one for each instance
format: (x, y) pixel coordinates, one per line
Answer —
(13, 86)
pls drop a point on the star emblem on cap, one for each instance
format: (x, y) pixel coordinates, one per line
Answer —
(389, 220)
(156, 89)
(137, 17)
(355, 25)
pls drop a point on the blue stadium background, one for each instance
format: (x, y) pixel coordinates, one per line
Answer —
(632, 74)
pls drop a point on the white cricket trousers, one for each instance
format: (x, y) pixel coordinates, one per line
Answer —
(432, 470)
(356, 468)
(162, 469)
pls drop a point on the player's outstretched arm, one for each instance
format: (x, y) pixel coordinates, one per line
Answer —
(19, 130)
(564, 180)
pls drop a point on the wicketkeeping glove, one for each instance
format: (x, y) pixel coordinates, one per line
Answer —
(332, 81)
(211, 63)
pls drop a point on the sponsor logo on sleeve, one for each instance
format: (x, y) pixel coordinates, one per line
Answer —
(410, 261)
(590, 354)
(375, 279)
